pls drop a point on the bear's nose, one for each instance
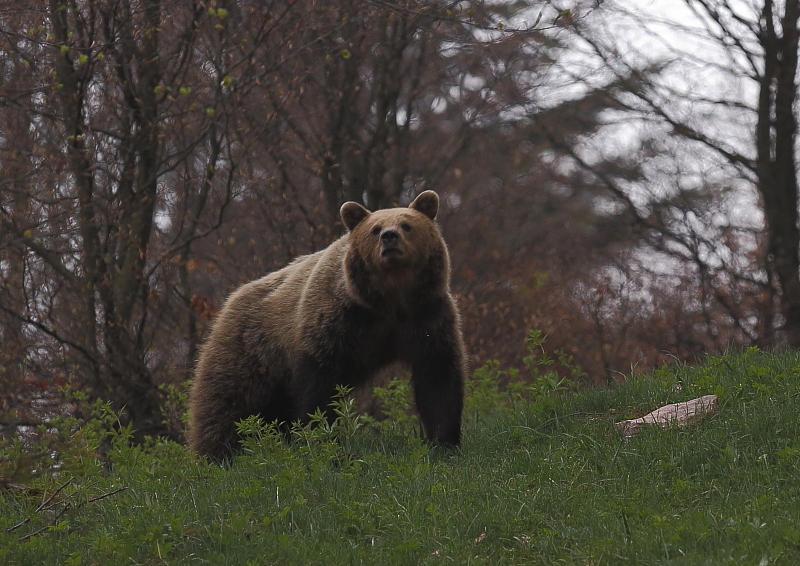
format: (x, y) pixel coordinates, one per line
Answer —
(390, 237)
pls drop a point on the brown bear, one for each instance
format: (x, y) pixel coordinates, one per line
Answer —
(377, 295)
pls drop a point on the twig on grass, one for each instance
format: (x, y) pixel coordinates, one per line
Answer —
(49, 504)
(56, 492)
(43, 529)
(109, 494)
(18, 525)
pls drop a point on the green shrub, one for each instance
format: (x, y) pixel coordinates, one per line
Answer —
(493, 389)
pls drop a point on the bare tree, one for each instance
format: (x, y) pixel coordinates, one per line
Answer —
(724, 110)
(128, 116)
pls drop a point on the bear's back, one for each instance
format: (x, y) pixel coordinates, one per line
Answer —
(272, 309)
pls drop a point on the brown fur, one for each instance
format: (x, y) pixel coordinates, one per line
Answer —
(377, 295)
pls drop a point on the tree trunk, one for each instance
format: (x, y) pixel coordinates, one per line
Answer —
(133, 382)
(776, 168)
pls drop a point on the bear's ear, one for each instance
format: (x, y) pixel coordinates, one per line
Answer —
(427, 202)
(352, 214)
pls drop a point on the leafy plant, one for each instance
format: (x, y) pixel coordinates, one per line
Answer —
(396, 404)
(492, 388)
(65, 443)
(175, 406)
(326, 433)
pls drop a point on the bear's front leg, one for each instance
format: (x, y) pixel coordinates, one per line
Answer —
(438, 373)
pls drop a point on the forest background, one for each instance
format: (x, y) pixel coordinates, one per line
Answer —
(624, 180)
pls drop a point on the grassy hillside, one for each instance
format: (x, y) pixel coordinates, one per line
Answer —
(544, 482)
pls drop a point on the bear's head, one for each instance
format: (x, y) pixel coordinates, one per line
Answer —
(398, 250)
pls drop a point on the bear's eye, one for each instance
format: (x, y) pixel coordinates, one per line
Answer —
(376, 230)
(405, 227)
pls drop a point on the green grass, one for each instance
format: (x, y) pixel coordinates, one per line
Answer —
(534, 483)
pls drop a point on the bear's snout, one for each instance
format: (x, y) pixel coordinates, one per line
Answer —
(390, 237)
(390, 242)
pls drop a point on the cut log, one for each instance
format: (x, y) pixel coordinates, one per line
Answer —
(677, 414)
